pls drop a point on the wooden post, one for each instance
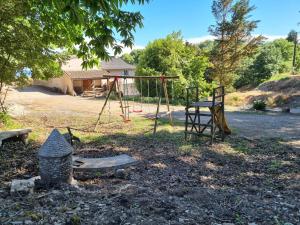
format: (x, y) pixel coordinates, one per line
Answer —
(106, 100)
(157, 109)
(118, 90)
(167, 100)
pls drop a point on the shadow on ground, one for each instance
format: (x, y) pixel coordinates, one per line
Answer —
(176, 182)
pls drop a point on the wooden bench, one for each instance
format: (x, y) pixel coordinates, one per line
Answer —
(17, 134)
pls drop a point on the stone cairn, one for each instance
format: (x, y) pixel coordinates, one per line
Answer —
(55, 160)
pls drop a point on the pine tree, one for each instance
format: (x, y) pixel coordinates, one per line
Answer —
(233, 38)
(293, 37)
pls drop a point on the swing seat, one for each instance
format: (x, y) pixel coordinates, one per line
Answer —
(125, 120)
(137, 111)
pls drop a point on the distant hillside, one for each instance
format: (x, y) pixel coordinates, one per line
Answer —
(284, 92)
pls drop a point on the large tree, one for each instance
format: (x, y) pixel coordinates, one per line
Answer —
(293, 37)
(233, 38)
(132, 57)
(35, 34)
(171, 56)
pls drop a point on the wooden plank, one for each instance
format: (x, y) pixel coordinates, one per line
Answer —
(141, 77)
(13, 133)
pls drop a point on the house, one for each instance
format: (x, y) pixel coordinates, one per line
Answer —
(76, 81)
(117, 66)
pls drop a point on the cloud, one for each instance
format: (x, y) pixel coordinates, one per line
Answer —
(126, 49)
(197, 40)
(271, 37)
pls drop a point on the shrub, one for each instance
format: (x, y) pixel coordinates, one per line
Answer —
(259, 105)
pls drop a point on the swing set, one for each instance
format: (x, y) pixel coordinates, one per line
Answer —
(123, 95)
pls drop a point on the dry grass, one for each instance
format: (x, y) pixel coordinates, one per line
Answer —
(277, 92)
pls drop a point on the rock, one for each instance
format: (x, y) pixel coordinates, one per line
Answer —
(253, 189)
(288, 223)
(181, 220)
(269, 194)
(286, 109)
(16, 223)
(24, 186)
(252, 223)
(3, 193)
(288, 205)
(120, 173)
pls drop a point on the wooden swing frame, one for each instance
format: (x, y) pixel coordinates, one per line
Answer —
(162, 90)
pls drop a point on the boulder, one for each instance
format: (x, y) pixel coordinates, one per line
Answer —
(23, 186)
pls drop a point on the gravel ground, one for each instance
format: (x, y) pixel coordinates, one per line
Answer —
(251, 125)
(252, 181)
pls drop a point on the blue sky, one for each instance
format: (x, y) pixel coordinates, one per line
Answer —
(193, 17)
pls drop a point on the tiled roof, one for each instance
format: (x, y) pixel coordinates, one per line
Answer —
(86, 74)
(73, 68)
(74, 64)
(116, 64)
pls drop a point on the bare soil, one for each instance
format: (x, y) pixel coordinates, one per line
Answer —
(238, 182)
(252, 180)
(279, 93)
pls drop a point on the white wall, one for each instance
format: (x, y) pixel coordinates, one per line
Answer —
(63, 84)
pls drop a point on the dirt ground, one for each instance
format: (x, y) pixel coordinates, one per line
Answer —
(35, 100)
(253, 180)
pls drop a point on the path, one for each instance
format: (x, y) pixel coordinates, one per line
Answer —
(252, 125)
(261, 125)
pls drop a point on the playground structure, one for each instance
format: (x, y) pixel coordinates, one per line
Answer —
(124, 104)
(194, 123)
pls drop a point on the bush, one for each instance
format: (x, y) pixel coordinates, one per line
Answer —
(259, 105)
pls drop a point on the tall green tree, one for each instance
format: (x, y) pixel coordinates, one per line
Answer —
(35, 34)
(233, 38)
(272, 58)
(293, 37)
(133, 56)
(171, 56)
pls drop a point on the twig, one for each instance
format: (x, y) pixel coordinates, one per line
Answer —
(73, 128)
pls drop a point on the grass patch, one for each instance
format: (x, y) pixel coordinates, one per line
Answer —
(276, 77)
(274, 166)
(242, 146)
(7, 122)
(186, 150)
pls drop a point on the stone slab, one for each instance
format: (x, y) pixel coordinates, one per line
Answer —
(13, 133)
(102, 164)
(25, 186)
